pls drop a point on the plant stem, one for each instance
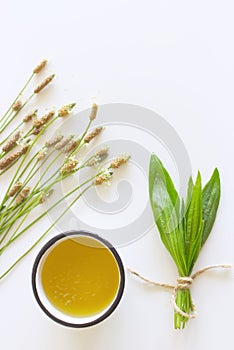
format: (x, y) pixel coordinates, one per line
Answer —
(43, 235)
(184, 302)
(80, 144)
(9, 120)
(23, 160)
(52, 207)
(17, 97)
(34, 191)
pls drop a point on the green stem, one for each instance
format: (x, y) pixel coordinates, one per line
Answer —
(17, 97)
(15, 232)
(9, 208)
(53, 206)
(34, 191)
(19, 210)
(9, 120)
(23, 160)
(2, 155)
(43, 235)
(184, 302)
(80, 144)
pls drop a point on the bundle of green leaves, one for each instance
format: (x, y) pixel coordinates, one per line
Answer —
(184, 226)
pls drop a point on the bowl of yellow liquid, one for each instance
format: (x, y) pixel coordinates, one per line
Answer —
(78, 279)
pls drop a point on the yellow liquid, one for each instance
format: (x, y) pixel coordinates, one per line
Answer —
(80, 277)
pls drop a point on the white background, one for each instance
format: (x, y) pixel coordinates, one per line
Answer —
(175, 57)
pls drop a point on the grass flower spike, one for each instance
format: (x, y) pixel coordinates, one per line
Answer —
(54, 141)
(8, 160)
(88, 138)
(98, 157)
(15, 188)
(69, 166)
(11, 142)
(22, 195)
(44, 83)
(66, 110)
(40, 67)
(115, 164)
(94, 111)
(17, 105)
(30, 116)
(54, 161)
(105, 177)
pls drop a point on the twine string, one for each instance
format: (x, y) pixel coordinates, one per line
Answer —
(183, 283)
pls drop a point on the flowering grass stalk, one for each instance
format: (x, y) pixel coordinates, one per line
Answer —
(17, 105)
(59, 155)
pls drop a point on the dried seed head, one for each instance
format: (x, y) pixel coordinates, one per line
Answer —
(93, 134)
(14, 189)
(42, 153)
(40, 66)
(22, 195)
(45, 196)
(94, 110)
(70, 147)
(98, 157)
(63, 143)
(11, 142)
(29, 116)
(43, 84)
(65, 110)
(116, 163)
(54, 140)
(24, 149)
(38, 123)
(105, 177)
(17, 105)
(69, 166)
(7, 161)
(36, 131)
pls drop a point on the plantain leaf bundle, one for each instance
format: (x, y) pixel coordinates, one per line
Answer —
(184, 225)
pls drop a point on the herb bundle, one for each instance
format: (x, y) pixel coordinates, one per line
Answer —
(57, 159)
(184, 226)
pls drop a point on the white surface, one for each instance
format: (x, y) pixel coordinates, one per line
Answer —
(175, 57)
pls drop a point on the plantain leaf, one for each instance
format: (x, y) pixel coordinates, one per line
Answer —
(182, 217)
(165, 204)
(163, 196)
(210, 203)
(193, 232)
(195, 248)
(183, 229)
(157, 168)
(189, 193)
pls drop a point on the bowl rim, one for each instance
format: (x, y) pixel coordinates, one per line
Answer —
(119, 262)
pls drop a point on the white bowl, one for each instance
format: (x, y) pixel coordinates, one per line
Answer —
(45, 304)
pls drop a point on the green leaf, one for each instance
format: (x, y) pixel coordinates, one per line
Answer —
(210, 203)
(195, 248)
(193, 232)
(163, 196)
(165, 204)
(183, 229)
(189, 193)
(157, 168)
(182, 217)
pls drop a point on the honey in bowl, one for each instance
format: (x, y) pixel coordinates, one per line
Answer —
(80, 276)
